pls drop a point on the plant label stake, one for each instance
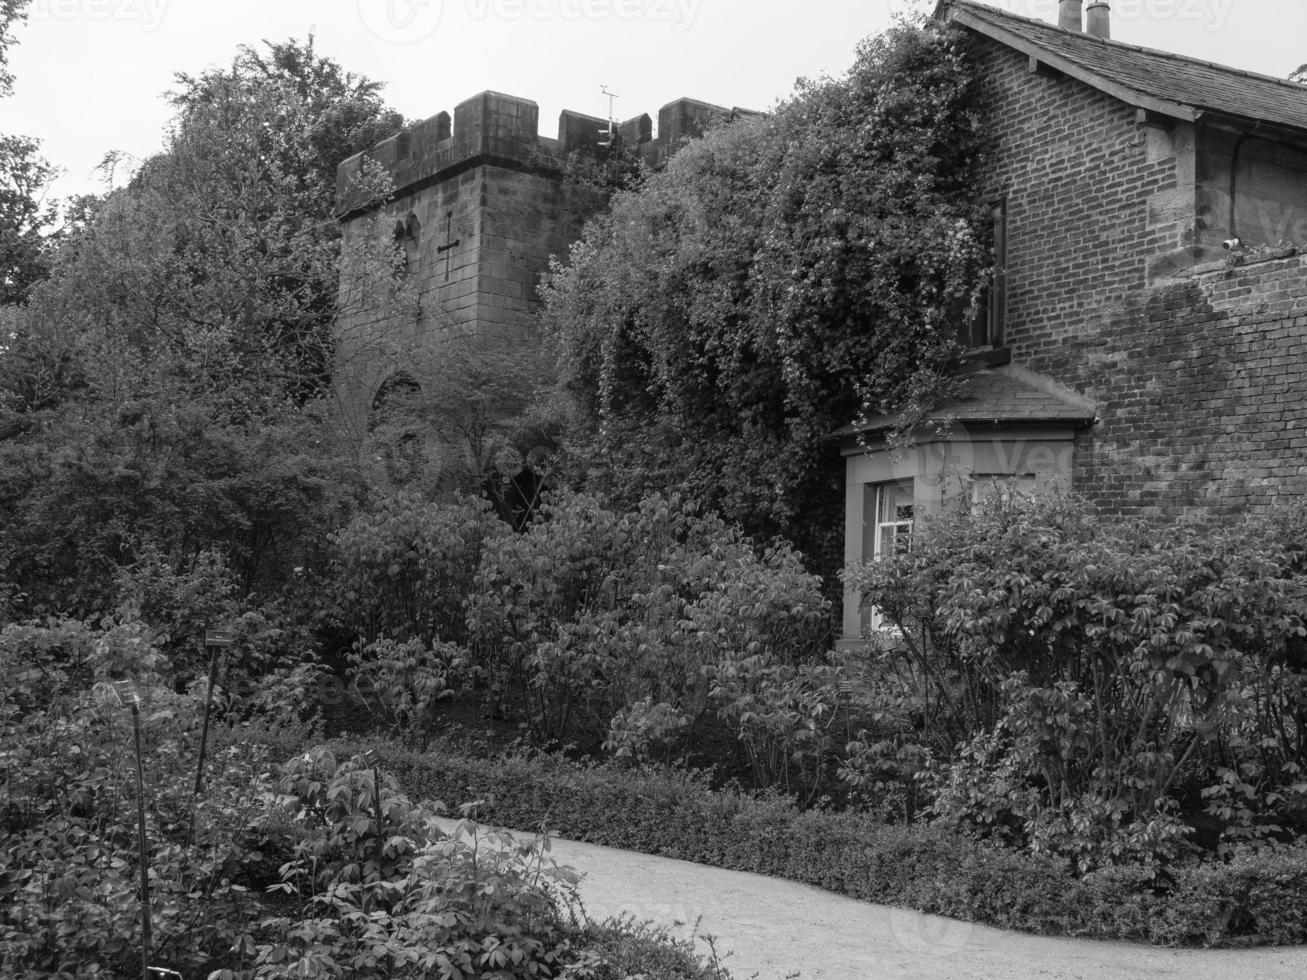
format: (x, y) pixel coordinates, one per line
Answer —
(128, 695)
(215, 641)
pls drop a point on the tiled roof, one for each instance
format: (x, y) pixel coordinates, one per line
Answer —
(992, 396)
(1149, 79)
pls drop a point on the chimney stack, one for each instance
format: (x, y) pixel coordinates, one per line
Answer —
(1099, 19)
(1069, 17)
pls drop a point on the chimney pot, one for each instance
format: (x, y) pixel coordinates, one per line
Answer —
(1098, 19)
(1069, 15)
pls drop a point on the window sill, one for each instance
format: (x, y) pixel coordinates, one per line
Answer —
(988, 357)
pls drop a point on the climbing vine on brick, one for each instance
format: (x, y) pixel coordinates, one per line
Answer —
(780, 277)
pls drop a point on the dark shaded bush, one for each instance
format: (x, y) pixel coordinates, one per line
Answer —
(368, 883)
(1084, 685)
(1258, 896)
(403, 569)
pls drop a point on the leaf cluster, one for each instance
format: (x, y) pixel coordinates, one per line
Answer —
(780, 277)
(1100, 679)
(166, 386)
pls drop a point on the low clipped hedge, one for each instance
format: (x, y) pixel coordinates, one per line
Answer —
(1258, 897)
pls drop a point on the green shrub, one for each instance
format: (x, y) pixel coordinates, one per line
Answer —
(404, 682)
(403, 569)
(622, 948)
(1100, 678)
(1258, 896)
(68, 884)
(370, 884)
(591, 613)
(182, 600)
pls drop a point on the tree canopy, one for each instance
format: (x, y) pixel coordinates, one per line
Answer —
(162, 390)
(25, 177)
(781, 277)
(12, 13)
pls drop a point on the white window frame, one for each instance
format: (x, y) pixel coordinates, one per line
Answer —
(899, 494)
(886, 526)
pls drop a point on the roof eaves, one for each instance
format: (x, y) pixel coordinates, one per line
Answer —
(1130, 96)
(882, 425)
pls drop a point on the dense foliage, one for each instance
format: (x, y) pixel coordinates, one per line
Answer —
(317, 866)
(597, 623)
(646, 633)
(1065, 719)
(12, 13)
(780, 277)
(163, 388)
(26, 216)
(1085, 688)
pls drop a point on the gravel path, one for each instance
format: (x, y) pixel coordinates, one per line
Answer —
(776, 929)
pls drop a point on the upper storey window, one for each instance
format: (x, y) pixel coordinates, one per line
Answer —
(985, 329)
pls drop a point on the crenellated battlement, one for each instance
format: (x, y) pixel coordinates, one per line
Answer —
(480, 207)
(504, 129)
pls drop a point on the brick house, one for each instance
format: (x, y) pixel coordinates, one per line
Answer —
(1146, 337)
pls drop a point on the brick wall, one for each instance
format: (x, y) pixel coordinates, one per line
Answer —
(1199, 374)
(1091, 199)
(1202, 395)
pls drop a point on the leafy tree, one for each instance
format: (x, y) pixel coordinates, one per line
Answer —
(12, 13)
(24, 215)
(779, 278)
(1084, 683)
(165, 386)
(24, 179)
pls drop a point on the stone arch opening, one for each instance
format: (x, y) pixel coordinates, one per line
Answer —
(398, 428)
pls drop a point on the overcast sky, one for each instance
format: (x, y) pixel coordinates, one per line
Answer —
(91, 73)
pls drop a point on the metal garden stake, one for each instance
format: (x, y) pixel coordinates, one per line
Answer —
(214, 641)
(128, 695)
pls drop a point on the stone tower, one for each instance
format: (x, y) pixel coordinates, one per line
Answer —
(479, 205)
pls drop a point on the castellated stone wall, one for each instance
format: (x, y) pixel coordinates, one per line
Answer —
(480, 204)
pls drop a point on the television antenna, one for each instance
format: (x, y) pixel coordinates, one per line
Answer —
(611, 133)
